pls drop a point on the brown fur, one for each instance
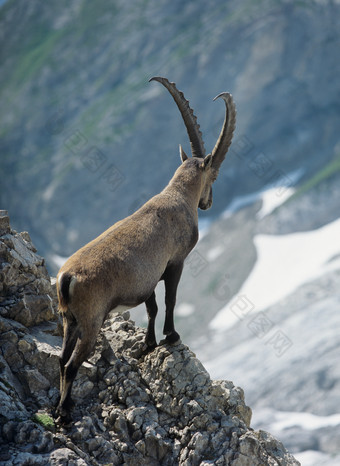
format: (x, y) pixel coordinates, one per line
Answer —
(124, 264)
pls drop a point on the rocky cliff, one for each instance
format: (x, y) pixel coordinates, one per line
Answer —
(159, 409)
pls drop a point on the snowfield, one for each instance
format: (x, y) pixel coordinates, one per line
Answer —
(284, 263)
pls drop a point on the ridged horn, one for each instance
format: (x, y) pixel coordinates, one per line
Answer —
(222, 145)
(190, 120)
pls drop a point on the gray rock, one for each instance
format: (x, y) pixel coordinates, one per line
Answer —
(25, 292)
(4, 222)
(131, 408)
(65, 456)
(36, 382)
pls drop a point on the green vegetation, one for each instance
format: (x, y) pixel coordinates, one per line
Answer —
(34, 58)
(44, 420)
(212, 285)
(113, 100)
(329, 170)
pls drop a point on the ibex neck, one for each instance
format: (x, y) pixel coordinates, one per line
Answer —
(188, 186)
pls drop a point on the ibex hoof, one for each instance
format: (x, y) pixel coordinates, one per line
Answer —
(64, 420)
(62, 413)
(148, 348)
(62, 417)
(172, 339)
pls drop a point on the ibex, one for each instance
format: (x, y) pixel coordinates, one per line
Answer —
(121, 268)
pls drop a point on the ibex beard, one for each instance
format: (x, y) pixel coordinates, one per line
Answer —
(121, 268)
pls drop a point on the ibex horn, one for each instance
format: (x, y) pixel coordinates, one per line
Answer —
(190, 120)
(226, 135)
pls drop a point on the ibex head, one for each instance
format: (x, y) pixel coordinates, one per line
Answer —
(207, 165)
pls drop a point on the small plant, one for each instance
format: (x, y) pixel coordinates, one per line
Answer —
(44, 420)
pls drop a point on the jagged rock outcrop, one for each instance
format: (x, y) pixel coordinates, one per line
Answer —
(133, 409)
(24, 281)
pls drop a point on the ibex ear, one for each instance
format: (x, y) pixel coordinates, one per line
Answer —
(207, 161)
(183, 155)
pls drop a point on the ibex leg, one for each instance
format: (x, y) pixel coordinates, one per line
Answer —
(82, 350)
(69, 342)
(172, 276)
(151, 308)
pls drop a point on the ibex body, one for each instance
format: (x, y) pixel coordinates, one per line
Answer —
(122, 267)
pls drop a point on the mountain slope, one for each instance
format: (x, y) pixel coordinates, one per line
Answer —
(85, 139)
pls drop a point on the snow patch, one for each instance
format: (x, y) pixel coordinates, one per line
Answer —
(272, 198)
(59, 261)
(185, 309)
(284, 263)
(240, 202)
(277, 422)
(280, 420)
(204, 226)
(214, 253)
(317, 458)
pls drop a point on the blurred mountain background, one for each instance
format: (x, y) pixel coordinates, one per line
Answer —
(85, 140)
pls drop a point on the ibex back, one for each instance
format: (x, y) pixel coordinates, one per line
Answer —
(121, 268)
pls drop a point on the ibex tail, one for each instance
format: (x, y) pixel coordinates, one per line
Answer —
(63, 290)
